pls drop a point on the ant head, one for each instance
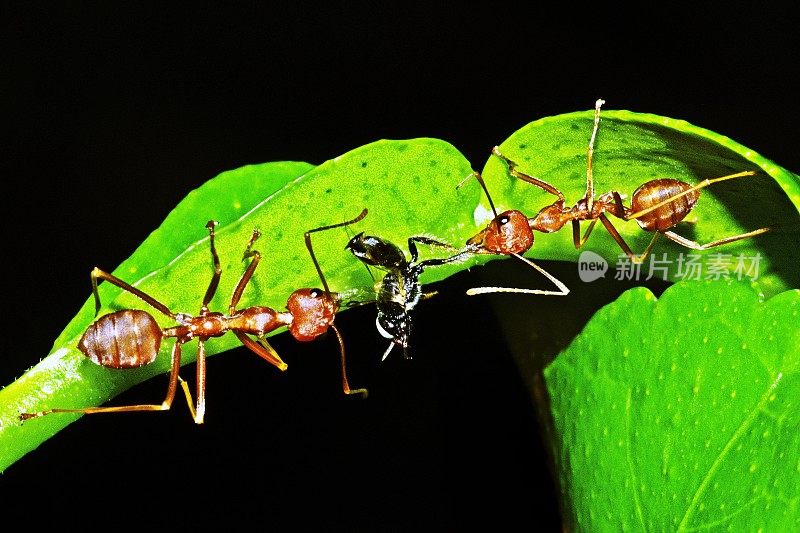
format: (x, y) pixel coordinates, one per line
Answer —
(509, 232)
(313, 311)
(375, 251)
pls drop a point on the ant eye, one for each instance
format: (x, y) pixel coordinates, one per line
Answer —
(503, 220)
(316, 293)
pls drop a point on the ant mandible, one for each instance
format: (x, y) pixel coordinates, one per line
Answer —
(130, 338)
(656, 205)
(399, 291)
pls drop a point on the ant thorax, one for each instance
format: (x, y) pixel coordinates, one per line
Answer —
(184, 319)
(402, 287)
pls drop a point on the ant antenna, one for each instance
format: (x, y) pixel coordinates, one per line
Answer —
(478, 177)
(590, 154)
(563, 289)
(212, 286)
(311, 249)
(345, 384)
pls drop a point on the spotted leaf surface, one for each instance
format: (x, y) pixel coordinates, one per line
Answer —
(633, 148)
(684, 418)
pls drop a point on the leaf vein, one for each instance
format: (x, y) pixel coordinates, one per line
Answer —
(746, 423)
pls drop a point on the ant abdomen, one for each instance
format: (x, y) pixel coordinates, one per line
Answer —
(124, 339)
(669, 214)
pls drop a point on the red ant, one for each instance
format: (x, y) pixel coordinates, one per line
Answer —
(657, 206)
(131, 338)
(508, 234)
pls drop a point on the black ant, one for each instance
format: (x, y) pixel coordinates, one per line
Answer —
(399, 291)
(657, 206)
(130, 338)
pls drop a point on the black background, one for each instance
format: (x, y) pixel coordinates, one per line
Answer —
(114, 113)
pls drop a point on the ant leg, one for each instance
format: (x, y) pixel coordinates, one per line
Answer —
(437, 262)
(636, 259)
(165, 405)
(105, 276)
(212, 286)
(695, 246)
(388, 351)
(429, 294)
(562, 289)
(619, 210)
(197, 410)
(640, 258)
(100, 274)
(589, 197)
(576, 233)
(412, 247)
(701, 185)
(200, 411)
(512, 169)
(248, 273)
(429, 241)
(248, 250)
(262, 348)
(345, 385)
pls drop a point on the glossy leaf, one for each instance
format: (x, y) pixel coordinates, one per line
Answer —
(681, 413)
(225, 199)
(409, 188)
(64, 376)
(632, 148)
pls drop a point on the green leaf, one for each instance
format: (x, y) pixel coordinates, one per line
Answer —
(632, 148)
(65, 377)
(409, 187)
(681, 413)
(226, 198)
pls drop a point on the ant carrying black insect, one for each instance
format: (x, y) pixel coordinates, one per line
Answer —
(131, 338)
(399, 291)
(656, 205)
